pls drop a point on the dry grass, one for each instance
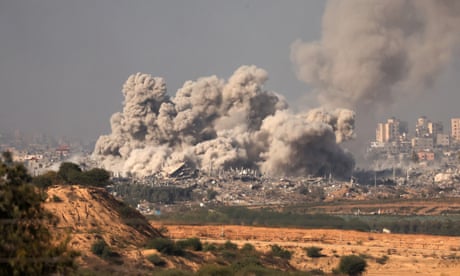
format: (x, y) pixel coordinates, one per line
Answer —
(407, 254)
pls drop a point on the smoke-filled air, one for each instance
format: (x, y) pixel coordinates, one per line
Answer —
(214, 124)
(371, 52)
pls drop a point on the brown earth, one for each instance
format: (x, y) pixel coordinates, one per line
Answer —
(86, 215)
(407, 254)
(90, 214)
(435, 206)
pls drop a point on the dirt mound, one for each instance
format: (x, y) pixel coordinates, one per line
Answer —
(87, 214)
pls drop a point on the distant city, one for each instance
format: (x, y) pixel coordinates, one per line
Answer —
(430, 142)
(400, 166)
(395, 144)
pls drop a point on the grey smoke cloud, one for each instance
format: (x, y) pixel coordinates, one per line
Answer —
(371, 52)
(216, 123)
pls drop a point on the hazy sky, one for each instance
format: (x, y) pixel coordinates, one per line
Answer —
(63, 63)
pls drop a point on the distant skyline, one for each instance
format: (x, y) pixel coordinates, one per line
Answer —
(63, 63)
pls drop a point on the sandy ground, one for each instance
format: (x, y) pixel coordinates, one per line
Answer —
(407, 254)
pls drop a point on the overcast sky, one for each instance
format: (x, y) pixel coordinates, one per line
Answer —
(63, 63)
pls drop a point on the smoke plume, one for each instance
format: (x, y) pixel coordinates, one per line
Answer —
(216, 124)
(372, 51)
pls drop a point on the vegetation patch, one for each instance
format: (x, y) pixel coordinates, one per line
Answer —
(191, 244)
(165, 246)
(352, 265)
(278, 251)
(314, 252)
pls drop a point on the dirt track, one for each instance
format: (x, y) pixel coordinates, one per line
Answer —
(408, 254)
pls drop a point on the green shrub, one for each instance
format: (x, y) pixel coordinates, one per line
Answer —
(191, 243)
(228, 255)
(352, 265)
(314, 252)
(165, 246)
(209, 247)
(248, 248)
(277, 251)
(230, 245)
(156, 260)
(100, 248)
(243, 263)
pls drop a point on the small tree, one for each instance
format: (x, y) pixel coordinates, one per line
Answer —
(352, 265)
(69, 173)
(45, 180)
(26, 244)
(96, 177)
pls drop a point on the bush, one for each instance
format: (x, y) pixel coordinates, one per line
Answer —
(99, 247)
(191, 243)
(314, 252)
(248, 249)
(156, 260)
(45, 180)
(102, 249)
(165, 246)
(244, 263)
(209, 247)
(230, 245)
(352, 265)
(229, 255)
(280, 252)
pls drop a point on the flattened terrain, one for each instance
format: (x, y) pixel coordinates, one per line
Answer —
(407, 254)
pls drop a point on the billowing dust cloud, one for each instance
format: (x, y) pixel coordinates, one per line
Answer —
(372, 52)
(215, 124)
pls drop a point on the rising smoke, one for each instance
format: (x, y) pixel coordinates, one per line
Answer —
(216, 124)
(371, 52)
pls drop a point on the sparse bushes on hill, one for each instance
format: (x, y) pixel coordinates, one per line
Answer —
(26, 242)
(70, 173)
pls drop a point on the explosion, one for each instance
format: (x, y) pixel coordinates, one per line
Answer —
(213, 123)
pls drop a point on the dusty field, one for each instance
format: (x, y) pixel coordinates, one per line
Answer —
(397, 207)
(407, 254)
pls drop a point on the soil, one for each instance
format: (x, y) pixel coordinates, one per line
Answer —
(407, 254)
